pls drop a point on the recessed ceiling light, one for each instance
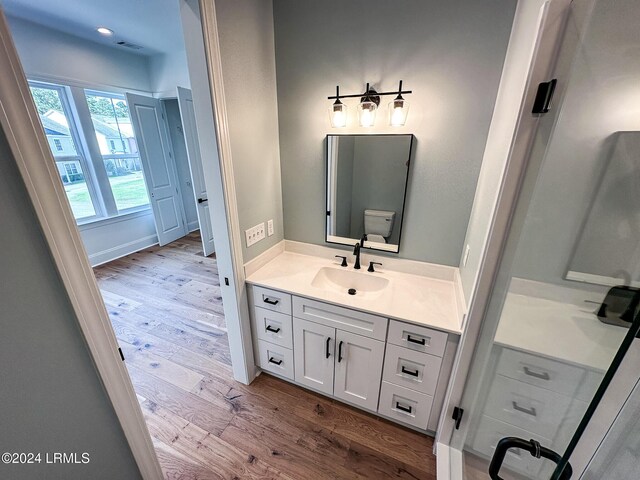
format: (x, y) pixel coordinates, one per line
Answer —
(107, 32)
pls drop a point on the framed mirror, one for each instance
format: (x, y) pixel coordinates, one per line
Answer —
(367, 179)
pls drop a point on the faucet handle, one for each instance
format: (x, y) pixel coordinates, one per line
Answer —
(344, 260)
(371, 264)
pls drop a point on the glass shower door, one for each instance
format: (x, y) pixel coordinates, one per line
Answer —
(568, 287)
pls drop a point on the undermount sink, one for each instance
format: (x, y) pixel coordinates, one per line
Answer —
(346, 280)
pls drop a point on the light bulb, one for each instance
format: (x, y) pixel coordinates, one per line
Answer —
(338, 114)
(367, 113)
(398, 110)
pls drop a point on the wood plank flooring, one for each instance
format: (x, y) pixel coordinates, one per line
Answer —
(166, 310)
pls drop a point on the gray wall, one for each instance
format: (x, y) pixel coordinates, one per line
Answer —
(249, 75)
(602, 98)
(449, 53)
(51, 399)
(176, 134)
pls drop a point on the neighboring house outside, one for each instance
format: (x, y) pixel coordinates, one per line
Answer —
(119, 151)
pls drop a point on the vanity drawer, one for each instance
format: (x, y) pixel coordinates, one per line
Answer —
(408, 368)
(353, 321)
(418, 338)
(532, 408)
(404, 405)
(273, 327)
(589, 385)
(542, 372)
(275, 359)
(489, 433)
(272, 300)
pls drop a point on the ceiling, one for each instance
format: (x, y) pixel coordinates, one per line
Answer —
(152, 24)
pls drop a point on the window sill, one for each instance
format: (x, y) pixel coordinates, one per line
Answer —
(103, 221)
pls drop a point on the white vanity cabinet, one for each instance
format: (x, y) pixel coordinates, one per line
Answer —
(396, 369)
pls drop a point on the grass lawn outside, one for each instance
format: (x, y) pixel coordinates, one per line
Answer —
(129, 191)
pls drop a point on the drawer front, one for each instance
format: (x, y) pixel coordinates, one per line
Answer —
(273, 327)
(532, 408)
(404, 405)
(542, 372)
(489, 433)
(415, 337)
(275, 359)
(589, 385)
(272, 300)
(353, 321)
(408, 368)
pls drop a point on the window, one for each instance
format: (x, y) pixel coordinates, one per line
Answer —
(119, 149)
(53, 108)
(115, 183)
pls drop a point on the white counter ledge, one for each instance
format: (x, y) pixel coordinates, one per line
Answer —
(411, 298)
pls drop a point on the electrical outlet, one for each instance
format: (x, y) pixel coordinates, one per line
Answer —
(254, 234)
(270, 227)
(466, 255)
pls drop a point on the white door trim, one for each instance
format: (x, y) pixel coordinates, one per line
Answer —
(20, 122)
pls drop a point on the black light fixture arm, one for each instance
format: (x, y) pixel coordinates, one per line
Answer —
(369, 92)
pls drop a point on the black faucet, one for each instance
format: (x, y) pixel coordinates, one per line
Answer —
(356, 251)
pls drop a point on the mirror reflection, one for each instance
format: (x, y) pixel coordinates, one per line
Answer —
(608, 249)
(366, 188)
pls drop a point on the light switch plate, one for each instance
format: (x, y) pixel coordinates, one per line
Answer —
(270, 227)
(254, 234)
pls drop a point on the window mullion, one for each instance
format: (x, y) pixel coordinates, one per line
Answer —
(92, 149)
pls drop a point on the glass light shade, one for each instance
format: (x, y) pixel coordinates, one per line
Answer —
(338, 115)
(398, 110)
(367, 113)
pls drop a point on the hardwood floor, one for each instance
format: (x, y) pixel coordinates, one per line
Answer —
(166, 310)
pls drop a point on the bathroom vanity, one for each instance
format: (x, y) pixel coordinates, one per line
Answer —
(388, 349)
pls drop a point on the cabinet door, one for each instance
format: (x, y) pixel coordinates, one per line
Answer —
(313, 358)
(358, 369)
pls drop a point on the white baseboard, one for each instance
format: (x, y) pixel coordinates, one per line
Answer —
(193, 226)
(119, 251)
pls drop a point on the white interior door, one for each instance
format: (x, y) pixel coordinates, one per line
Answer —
(313, 351)
(159, 167)
(185, 101)
(358, 369)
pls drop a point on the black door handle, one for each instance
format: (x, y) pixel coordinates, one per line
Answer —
(202, 200)
(328, 340)
(271, 329)
(422, 341)
(270, 302)
(340, 351)
(531, 446)
(403, 408)
(410, 372)
(271, 360)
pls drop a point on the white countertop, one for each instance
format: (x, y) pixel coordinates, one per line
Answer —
(559, 330)
(412, 298)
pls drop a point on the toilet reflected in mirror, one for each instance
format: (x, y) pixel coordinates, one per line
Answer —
(366, 189)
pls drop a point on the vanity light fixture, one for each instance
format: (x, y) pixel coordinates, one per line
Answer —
(338, 112)
(369, 101)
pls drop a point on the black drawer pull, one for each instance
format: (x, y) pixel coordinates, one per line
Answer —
(409, 372)
(529, 411)
(422, 341)
(541, 376)
(403, 408)
(340, 351)
(270, 302)
(327, 352)
(271, 360)
(271, 329)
